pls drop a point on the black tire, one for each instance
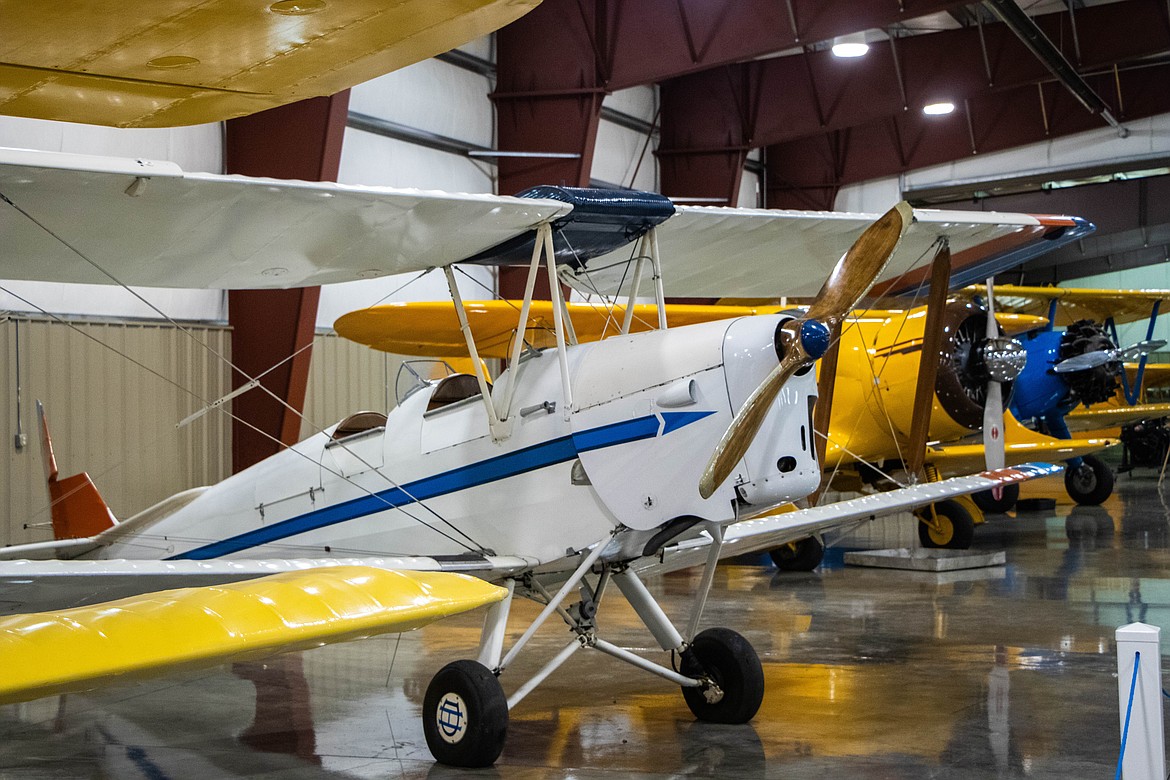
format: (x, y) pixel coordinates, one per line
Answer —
(465, 715)
(988, 503)
(1089, 483)
(804, 555)
(731, 662)
(957, 527)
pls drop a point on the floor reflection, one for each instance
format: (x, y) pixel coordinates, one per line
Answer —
(1006, 672)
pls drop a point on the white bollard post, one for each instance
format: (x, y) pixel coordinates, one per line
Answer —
(1145, 747)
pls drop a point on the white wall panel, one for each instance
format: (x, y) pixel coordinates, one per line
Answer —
(194, 148)
(621, 156)
(109, 416)
(433, 96)
(1148, 138)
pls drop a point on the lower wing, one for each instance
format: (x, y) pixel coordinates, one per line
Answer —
(75, 649)
(770, 531)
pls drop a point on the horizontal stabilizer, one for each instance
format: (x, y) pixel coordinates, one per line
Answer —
(769, 531)
(48, 653)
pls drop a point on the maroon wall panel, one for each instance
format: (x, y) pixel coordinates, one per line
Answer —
(297, 141)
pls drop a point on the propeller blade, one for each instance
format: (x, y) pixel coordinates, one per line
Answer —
(1084, 361)
(1142, 348)
(805, 339)
(993, 444)
(747, 422)
(860, 267)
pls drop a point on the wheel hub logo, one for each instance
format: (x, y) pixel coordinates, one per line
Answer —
(451, 717)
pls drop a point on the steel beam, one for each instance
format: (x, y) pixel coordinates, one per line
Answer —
(999, 120)
(298, 141)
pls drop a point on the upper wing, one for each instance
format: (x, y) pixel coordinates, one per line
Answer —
(773, 530)
(761, 253)
(431, 328)
(80, 648)
(71, 218)
(1076, 304)
(1154, 374)
(151, 224)
(140, 63)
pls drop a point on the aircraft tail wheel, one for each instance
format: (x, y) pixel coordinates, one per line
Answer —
(804, 555)
(1089, 483)
(731, 663)
(952, 526)
(986, 501)
(465, 715)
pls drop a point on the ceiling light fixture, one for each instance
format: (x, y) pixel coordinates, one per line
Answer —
(852, 45)
(939, 108)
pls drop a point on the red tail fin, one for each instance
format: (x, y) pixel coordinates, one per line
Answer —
(76, 507)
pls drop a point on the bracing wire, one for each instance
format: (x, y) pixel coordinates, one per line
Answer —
(187, 332)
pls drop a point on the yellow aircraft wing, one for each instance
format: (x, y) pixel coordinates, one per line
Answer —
(1113, 416)
(1076, 304)
(136, 63)
(431, 328)
(76, 649)
(1155, 375)
(1021, 445)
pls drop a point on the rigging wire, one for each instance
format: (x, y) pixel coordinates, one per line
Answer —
(283, 402)
(228, 413)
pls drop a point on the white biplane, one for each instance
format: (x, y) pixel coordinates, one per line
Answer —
(582, 466)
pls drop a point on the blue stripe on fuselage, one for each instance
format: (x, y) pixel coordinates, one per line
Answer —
(538, 456)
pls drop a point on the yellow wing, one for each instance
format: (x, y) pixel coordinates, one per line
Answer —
(1021, 446)
(76, 649)
(1113, 416)
(431, 329)
(1075, 304)
(1155, 374)
(140, 63)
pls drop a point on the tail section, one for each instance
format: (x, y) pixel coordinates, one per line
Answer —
(77, 509)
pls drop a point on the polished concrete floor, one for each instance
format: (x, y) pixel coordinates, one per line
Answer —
(1001, 672)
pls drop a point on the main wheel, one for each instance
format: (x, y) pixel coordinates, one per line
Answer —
(1089, 483)
(804, 555)
(731, 663)
(986, 501)
(954, 529)
(465, 715)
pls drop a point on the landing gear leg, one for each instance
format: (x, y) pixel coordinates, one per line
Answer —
(465, 712)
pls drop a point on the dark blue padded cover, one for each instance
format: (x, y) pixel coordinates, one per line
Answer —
(600, 222)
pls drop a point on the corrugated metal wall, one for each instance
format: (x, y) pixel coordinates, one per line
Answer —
(116, 420)
(108, 416)
(346, 377)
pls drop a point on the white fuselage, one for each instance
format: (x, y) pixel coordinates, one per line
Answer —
(647, 411)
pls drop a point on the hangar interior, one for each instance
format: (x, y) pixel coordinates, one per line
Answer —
(1005, 671)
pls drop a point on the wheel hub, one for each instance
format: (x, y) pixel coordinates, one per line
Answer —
(451, 717)
(712, 692)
